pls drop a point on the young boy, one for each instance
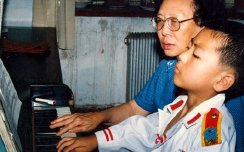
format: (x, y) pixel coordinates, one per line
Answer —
(198, 121)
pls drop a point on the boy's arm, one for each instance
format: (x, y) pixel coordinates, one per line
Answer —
(136, 133)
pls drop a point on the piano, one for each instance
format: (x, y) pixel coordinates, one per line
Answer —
(34, 76)
(56, 101)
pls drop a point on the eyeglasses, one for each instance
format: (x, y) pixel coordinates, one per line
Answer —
(172, 23)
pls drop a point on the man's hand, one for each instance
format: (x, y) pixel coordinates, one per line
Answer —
(78, 122)
(85, 122)
(77, 144)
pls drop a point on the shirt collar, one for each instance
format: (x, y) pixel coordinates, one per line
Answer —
(170, 111)
(177, 104)
(171, 64)
(194, 116)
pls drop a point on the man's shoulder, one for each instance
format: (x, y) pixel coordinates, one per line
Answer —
(167, 64)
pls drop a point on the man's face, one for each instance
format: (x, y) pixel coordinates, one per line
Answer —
(199, 66)
(175, 42)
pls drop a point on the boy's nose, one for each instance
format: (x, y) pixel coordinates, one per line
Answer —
(184, 56)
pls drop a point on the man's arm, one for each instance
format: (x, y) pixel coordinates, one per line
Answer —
(84, 122)
(119, 113)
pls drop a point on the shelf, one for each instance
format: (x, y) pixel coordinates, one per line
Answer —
(104, 11)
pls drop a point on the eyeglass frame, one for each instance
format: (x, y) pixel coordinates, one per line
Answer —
(167, 22)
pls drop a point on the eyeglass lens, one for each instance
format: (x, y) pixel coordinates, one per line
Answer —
(172, 23)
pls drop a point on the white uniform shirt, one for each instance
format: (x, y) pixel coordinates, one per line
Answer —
(140, 133)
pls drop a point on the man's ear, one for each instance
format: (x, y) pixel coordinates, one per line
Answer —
(224, 81)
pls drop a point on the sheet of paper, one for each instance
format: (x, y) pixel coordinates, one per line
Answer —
(7, 141)
(10, 102)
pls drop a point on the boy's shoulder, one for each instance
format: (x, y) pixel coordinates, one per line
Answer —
(220, 114)
(226, 115)
(216, 123)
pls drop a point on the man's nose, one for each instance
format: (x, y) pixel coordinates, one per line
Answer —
(165, 30)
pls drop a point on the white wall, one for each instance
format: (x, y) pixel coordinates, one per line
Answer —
(96, 69)
(17, 13)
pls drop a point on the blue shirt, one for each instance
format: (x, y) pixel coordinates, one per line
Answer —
(160, 91)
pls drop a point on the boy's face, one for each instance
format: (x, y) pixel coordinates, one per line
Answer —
(197, 68)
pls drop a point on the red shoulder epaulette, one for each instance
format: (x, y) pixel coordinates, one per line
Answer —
(211, 128)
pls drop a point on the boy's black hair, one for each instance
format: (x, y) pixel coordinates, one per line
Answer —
(231, 34)
(205, 10)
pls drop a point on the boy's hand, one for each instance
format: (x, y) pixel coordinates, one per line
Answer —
(77, 144)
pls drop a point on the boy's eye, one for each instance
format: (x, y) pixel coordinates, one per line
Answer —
(188, 47)
(190, 44)
(195, 56)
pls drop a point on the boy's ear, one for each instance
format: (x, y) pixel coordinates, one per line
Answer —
(224, 81)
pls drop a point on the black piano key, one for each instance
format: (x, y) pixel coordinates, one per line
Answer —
(51, 114)
(49, 148)
(42, 119)
(46, 139)
(45, 129)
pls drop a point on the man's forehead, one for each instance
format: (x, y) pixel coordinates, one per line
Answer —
(180, 6)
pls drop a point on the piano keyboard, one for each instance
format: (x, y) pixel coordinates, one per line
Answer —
(45, 138)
